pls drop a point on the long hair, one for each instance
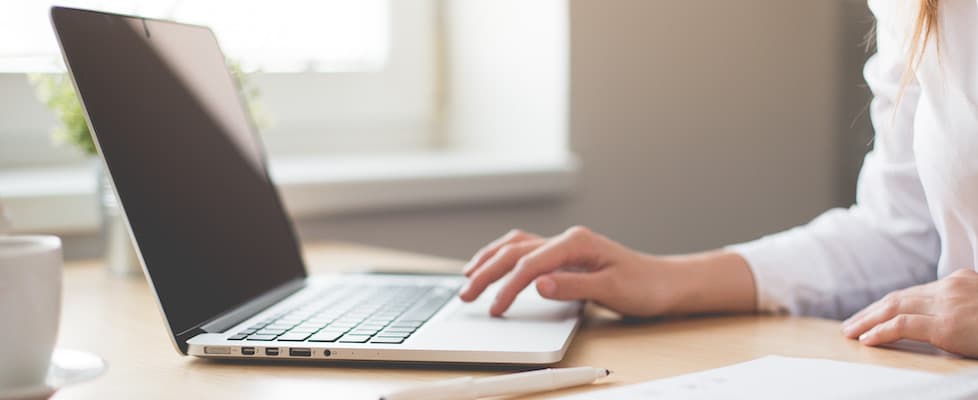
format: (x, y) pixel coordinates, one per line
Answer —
(925, 27)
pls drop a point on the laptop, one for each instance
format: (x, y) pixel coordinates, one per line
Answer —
(213, 237)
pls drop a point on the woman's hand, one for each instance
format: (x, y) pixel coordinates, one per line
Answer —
(943, 313)
(581, 265)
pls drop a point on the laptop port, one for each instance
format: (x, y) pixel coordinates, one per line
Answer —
(300, 352)
(217, 350)
(327, 353)
(248, 351)
(271, 351)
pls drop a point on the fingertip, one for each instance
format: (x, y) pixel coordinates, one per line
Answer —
(848, 332)
(466, 293)
(498, 308)
(468, 297)
(546, 286)
(871, 337)
(856, 329)
(469, 268)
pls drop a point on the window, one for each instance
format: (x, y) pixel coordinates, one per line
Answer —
(415, 102)
(323, 35)
(335, 76)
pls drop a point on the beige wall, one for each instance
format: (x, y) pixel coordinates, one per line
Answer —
(698, 123)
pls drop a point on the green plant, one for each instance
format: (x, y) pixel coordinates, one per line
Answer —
(252, 96)
(58, 95)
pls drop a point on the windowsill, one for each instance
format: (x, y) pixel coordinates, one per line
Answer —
(62, 200)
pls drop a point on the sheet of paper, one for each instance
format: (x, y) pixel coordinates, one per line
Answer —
(958, 386)
(771, 377)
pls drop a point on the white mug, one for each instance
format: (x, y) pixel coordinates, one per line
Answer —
(30, 307)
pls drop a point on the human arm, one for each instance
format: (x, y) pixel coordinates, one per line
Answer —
(579, 264)
(832, 267)
(847, 258)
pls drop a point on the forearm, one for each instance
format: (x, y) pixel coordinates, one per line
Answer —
(717, 281)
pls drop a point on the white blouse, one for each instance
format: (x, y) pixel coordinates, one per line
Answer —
(916, 213)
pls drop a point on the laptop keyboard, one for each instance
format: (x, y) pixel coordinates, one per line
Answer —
(386, 314)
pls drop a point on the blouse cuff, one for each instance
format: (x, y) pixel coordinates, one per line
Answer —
(767, 261)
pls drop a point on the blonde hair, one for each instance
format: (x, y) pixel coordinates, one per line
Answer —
(925, 26)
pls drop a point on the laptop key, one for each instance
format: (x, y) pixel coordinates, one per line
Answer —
(354, 339)
(394, 329)
(239, 336)
(393, 334)
(294, 337)
(263, 338)
(326, 337)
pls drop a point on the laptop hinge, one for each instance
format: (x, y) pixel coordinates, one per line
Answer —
(231, 318)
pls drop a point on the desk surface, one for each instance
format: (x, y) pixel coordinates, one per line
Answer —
(117, 318)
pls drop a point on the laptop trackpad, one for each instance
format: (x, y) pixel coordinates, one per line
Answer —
(529, 307)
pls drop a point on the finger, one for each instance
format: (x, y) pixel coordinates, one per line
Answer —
(490, 250)
(926, 290)
(487, 252)
(885, 310)
(571, 285)
(496, 267)
(555, 254)
(903, 326)
(860, 314)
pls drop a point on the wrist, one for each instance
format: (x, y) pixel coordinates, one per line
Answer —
(717, 281)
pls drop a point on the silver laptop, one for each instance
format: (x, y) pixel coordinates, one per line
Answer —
(215, 241)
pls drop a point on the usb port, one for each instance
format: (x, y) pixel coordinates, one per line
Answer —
(271, 351)
(217, 350)
(300, 352)
(248, 351)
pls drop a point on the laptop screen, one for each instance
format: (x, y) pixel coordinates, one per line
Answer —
(186, 162)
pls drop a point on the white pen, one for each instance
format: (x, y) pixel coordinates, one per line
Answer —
(469, 388)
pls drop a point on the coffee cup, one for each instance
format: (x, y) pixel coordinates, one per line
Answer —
(30, 307)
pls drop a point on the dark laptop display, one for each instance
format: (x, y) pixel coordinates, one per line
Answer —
(188, 167)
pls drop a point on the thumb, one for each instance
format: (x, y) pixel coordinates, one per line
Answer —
(569, 285)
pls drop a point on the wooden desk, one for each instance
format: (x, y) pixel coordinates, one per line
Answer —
(117, 318)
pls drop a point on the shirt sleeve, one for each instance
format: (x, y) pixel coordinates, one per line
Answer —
(847, 258)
